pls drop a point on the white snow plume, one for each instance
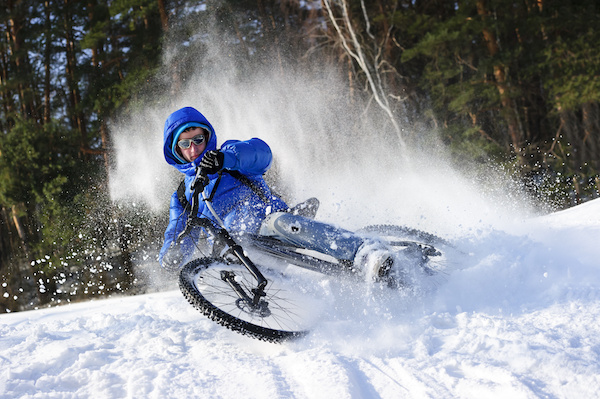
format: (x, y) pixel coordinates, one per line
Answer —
(324, 145)
(139, 172)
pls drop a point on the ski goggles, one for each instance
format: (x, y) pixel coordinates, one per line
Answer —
(184, 144)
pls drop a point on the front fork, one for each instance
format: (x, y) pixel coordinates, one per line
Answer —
(253, 301)
(253, 304)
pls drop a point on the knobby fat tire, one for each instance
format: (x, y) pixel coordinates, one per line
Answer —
(409, 232)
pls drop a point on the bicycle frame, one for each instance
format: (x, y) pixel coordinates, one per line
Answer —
(221, 234)
(228, 288)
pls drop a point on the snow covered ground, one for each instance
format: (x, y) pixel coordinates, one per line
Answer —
(517, 317)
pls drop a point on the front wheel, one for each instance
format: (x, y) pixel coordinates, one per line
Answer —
(279, 315)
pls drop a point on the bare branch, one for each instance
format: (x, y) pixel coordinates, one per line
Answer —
(370, 68)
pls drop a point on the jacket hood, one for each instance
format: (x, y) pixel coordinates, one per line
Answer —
(174, 126)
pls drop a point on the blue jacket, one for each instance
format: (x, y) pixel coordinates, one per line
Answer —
(240, 208)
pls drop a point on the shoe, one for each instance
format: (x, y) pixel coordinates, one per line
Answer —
(382, 266)
(374, 262)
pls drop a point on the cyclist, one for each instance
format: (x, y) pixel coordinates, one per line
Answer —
(241, 198)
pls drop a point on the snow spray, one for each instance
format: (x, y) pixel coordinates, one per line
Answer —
(325, 146)
(342, 151)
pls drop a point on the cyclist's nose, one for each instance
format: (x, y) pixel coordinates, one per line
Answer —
(195, 149)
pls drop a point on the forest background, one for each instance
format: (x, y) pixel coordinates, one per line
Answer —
(509, 83)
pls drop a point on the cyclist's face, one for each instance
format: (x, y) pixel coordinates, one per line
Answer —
(194, 151)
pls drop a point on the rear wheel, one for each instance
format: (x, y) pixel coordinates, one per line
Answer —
(279, 315)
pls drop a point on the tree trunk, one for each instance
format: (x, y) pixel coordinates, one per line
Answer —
(591, 131)
(20, 230)
(21, 63)
(100, 112)
(77, 118)
(508, 109)
(6, 95)
(568, 130)
(6, 247)
(164, 16)
(47, 60)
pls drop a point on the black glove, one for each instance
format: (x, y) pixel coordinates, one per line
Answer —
(212, 162)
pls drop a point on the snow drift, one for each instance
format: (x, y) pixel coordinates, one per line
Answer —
(516, 317)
